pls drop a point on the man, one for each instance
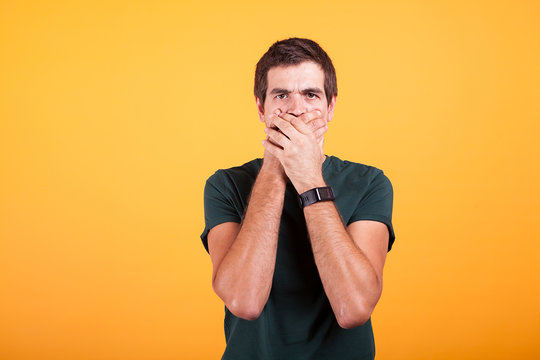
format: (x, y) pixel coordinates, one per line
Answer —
(299, 275)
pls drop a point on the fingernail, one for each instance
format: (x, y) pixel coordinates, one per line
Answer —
(265, 130)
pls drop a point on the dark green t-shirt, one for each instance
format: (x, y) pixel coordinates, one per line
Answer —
(297, 321)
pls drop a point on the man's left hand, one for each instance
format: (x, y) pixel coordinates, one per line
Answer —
(300, 154)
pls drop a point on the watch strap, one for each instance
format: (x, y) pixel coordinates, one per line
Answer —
(315, 195)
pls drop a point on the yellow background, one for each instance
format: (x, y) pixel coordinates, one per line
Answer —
(113, 114)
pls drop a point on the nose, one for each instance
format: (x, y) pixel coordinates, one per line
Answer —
(296, 105)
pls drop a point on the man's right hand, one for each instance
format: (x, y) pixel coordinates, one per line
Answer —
(272, 165)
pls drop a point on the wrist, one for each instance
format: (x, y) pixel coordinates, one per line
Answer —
(273, 174)
(310, 184)
(312, 196)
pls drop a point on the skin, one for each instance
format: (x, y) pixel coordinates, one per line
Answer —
(350, 260)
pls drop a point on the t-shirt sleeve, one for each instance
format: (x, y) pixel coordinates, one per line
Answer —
(377, 205)
(218, 206)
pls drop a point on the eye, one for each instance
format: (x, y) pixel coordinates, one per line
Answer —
(311, 95)
(281, 96)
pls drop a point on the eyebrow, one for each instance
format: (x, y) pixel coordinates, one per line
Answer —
(313, 90)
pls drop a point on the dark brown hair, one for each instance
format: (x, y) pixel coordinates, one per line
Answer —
(294, 51)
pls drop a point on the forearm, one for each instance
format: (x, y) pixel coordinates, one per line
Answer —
(349, 280)
(244, 277)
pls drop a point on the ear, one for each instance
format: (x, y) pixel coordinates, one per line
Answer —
(331, 107)
(260, 108)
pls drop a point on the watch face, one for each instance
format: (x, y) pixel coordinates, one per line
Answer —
(326, 193)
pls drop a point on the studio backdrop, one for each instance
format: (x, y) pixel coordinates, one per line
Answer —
(114, 113)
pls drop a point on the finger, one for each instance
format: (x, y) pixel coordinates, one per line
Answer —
(320, 132)
(272, 149)
(287, 117)
(273, 143)
(272, 116)
(311, 115)
(300, 126)
(287, 128)
(316, 124)
(277, 137)
(298, 123)
(273, 126)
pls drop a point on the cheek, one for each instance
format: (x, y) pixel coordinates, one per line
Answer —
(316, 105)
(270, 107)
(312, 107)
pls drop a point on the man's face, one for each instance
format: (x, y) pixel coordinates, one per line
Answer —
(295, 89)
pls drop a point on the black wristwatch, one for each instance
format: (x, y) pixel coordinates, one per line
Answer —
(314, 195)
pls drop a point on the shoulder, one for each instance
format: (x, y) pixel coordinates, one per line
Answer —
(240, 175)
(353, 172)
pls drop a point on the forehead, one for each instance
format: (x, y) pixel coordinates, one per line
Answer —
(305, 74)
